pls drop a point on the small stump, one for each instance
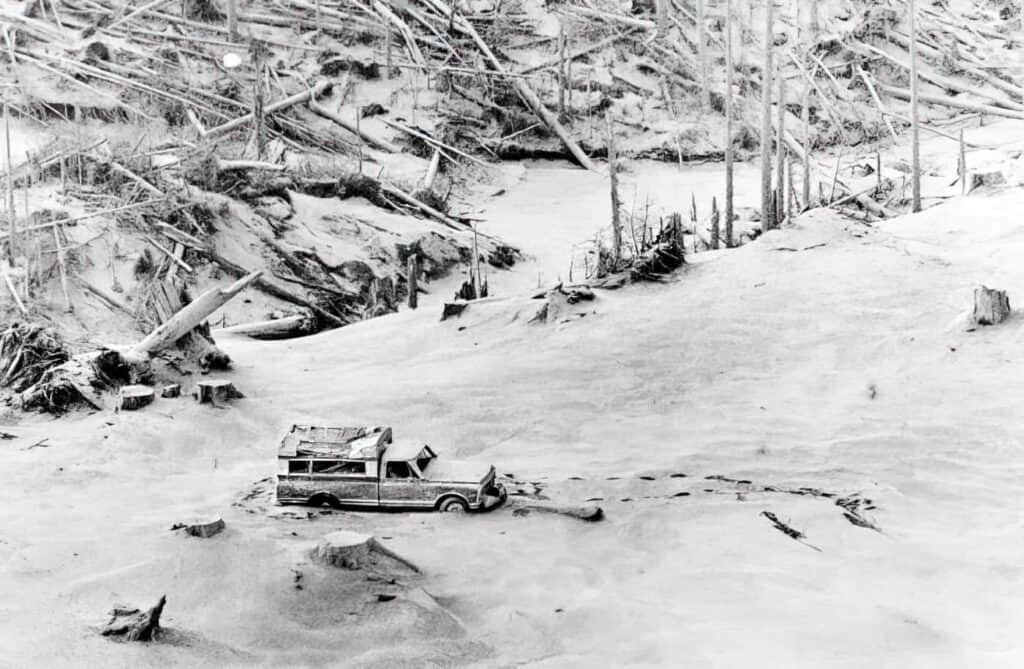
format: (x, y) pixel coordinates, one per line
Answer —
(172, 390)
(202, 528)
(990, 306)
(135, 397)
(134, 625)
(216, 392)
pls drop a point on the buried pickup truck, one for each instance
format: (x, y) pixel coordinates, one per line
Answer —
(360, 466)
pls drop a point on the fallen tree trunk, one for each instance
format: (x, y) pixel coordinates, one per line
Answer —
(587, 512)
(191, 315)
(945, 101)
(278, 328)
(309, 94)
(352, 128)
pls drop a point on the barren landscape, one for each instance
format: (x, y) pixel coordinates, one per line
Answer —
(803, 443)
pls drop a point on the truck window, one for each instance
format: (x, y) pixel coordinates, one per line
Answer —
(399, 470)
(336, 467)
(298, 466)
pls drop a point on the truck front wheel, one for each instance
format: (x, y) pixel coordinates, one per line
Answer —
(453, 505)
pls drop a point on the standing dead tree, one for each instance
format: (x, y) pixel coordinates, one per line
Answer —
(728, 123)
(766, 121)
(915, 177)
(613, 178)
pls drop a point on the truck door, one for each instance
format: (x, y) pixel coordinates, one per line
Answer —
(400, 486)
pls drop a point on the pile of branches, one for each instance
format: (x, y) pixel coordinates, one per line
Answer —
(27, 352)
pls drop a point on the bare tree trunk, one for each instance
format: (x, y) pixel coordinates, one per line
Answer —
(561, 73)
(780, 152)
(232, 20)
(963, 165)
(728, 122)
(766, 122)
(805, 117)
(714, 223)
(614, 179)
(702, 62)
(815, 28)
(12, 243)
(413, 278)
(915, 176)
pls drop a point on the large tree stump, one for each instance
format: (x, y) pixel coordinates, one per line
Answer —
(351, 550)
(348, 550)
(134, 625)
(990, 306)
(135, 397)
(216, 392)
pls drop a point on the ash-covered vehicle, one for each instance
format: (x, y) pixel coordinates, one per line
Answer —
(361, 467)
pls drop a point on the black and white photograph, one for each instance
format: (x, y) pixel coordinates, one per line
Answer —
(542, 334)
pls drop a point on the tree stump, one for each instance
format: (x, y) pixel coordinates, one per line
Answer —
(172, 390)
(453, 310)
(134, 625)
(216, 392)
(990, 306)
(204, 529)
(348, 550)
(135, 397)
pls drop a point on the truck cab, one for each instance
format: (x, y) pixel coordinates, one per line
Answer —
(363, 467)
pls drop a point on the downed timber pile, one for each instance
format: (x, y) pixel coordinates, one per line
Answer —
(131, 624)
(87, 376)
(27, 350)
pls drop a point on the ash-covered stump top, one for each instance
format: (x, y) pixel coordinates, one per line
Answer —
(351, 550)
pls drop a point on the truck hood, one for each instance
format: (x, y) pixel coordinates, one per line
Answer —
(456, 471)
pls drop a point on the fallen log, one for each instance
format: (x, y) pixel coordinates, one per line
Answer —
(946, 101)
(376, 143)
(587, 512)
(191, 315)
(316, 91)
(278, 328)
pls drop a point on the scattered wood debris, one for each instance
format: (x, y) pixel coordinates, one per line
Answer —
(787, 530)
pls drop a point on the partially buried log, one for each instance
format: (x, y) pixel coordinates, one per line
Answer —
(990, 306)
(135, 625)
(588, 512)
(278, 328)
(202, 528)
(216, 392)
(135, 397)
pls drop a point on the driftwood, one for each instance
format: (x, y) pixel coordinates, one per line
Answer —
(191, 315)
(990, 306)
(135, 397)
(135, 625)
